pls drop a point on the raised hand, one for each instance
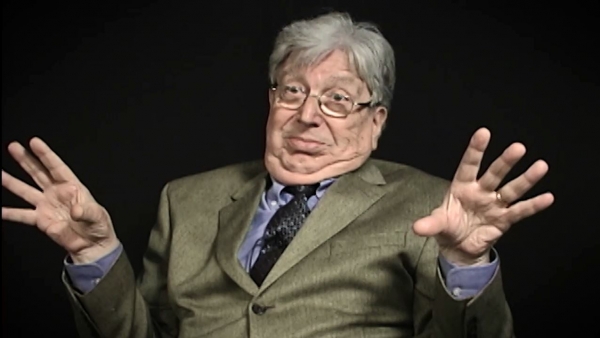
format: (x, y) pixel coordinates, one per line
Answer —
(64, 209)
(475, 213)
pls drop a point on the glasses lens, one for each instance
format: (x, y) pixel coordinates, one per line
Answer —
(332, 103)
(290, 97)
(336, 104)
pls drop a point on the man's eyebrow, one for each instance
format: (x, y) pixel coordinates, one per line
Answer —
(288, 76)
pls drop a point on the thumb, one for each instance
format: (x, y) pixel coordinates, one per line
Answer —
(87, 212)
(428, 226)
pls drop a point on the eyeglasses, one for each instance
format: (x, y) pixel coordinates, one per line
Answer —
(332, 102)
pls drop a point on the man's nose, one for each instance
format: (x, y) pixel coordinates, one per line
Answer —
(309, 113)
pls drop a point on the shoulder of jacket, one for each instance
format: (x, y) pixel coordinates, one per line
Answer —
(224, 178)
(394, 172)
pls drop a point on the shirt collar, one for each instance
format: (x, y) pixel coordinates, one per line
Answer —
(274, 193)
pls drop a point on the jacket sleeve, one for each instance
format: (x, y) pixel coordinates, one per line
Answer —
(438, 314)
(121, 306)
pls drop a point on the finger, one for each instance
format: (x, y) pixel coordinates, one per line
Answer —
(498, 170)
(19, 188)
(428, 226)
(25, 216)
(529, 207)
(30, 164)
(57, 168)
(468, 168)
(88, 212)
(516, 188)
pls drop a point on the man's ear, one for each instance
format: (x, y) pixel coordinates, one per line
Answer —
(378, 119)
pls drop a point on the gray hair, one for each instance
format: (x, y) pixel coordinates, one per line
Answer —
(368, 51)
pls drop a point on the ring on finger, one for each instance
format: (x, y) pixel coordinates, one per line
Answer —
(500, 199)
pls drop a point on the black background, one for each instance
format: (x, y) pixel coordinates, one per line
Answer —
(132, 96)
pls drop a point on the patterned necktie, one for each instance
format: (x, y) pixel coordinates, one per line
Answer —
(281, 229)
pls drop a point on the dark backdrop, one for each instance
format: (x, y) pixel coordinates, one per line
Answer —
(134, 96)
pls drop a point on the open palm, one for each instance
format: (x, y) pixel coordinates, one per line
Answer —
(475, 213)
(64, 209)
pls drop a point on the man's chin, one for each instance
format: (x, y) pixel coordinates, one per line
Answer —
(302, 169)
(295, 169)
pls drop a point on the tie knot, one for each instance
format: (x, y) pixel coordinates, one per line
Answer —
(302, 190)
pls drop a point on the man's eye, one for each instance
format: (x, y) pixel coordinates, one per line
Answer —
(292, 89)
(337, 96)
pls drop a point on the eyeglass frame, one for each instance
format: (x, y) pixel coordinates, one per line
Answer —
(275, 86)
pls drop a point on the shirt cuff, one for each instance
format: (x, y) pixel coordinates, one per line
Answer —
(466, 281)
(85, 277)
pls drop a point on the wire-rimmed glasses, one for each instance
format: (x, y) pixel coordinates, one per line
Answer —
(333, 102)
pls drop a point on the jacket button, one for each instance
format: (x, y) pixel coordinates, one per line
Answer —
(259, 310)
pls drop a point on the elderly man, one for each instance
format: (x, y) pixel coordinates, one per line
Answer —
(315, 240)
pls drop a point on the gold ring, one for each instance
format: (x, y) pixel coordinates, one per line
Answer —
(499, 198)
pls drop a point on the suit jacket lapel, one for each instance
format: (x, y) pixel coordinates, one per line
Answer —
(234, 223)
(343, 202)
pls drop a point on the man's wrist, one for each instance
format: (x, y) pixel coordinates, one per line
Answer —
(460, 258)
(94, 253)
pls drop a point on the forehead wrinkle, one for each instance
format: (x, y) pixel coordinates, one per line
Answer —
(337, 78)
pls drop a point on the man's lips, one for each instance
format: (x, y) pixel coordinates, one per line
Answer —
(302, 143)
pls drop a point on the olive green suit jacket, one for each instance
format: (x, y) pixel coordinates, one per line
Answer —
(355, 269)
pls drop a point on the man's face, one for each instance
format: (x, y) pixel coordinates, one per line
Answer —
(305, 145)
